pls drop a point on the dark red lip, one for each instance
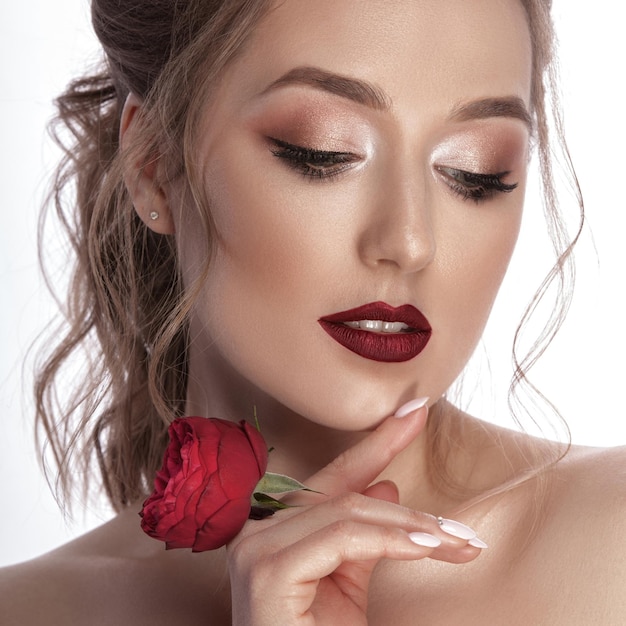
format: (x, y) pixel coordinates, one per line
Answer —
(385, 347)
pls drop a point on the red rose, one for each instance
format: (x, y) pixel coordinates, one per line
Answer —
(201, 497)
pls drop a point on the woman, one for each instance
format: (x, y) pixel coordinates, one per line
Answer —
(313, 209)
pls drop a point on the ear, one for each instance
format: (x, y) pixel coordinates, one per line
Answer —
(148, 196)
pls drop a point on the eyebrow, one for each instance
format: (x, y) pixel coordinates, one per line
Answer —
(363, 92)
(484, 108)
(351, 88)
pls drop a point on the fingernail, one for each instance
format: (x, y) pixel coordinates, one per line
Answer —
(411, 406)
(477, 543)
(456, 529)
(424, 539)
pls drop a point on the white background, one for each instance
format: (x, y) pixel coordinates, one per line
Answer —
(43, 44)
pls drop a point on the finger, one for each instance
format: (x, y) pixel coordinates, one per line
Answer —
(290, 526)
(385, 490)
(357, 467)
(449, 548)
(291, 576)
(320, 553)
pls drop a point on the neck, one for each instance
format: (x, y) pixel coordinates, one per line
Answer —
(301, 447)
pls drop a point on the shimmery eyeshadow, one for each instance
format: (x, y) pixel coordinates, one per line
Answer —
(313, 121)
(486, 146)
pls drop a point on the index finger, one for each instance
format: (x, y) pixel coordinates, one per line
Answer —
(356, 468)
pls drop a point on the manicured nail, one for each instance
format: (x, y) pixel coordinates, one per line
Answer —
(456, 529)
(477, 543)
(424, 539)
(411, 406)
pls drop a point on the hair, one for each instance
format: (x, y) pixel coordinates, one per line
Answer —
(525, 400)
(127, 309)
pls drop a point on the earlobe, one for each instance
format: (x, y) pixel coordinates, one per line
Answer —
(140, 176)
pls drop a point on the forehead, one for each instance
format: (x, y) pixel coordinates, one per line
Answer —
(440, 52)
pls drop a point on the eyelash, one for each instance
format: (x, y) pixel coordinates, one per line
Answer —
(474, 186)
(313, 163)
(327, 164)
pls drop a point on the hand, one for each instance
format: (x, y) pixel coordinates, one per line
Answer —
(312, 564)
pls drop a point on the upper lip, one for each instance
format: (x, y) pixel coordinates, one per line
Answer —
(407, 314)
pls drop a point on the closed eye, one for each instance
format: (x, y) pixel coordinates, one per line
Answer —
(475, 186)
(312, 162)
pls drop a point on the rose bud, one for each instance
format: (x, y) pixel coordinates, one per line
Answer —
(202, 493)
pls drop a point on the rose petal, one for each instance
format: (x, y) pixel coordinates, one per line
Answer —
(202, 492)
(223, 526)
(240, 475)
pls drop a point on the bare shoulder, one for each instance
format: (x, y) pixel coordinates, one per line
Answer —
(47, 590)
(70, 585)
(591, 482)
(113, 575)
(585, 532)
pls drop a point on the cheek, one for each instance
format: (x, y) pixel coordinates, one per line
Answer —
(259, 286)
(470, 266)
(481, 253)
(251, 234)
(276, 240)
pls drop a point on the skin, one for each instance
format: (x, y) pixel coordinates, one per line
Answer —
(392, 228)
(388, 227)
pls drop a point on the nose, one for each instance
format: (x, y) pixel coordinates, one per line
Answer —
(399, 230)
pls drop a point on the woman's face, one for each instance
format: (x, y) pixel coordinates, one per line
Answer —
(358, 153)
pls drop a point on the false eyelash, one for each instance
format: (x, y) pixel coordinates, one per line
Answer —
(475, 186)
(326, 163)
(311, 162)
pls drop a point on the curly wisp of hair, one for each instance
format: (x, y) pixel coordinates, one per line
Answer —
(126, 300)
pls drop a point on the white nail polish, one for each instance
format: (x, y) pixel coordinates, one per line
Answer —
(424, 539)
(477, 543)
(456, 529)
(411, 406)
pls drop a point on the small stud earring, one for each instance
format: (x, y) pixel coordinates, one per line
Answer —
(154, 215)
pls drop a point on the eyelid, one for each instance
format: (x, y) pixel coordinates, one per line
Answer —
(313, 163)
(475, 185)
(491, 146)
(479, 176)
(295, 147)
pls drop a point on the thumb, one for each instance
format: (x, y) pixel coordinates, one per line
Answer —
(354, 469)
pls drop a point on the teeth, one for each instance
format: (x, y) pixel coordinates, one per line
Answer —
(378, 326)
(375, 325)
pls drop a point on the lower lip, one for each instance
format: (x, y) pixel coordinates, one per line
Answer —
(384, 347)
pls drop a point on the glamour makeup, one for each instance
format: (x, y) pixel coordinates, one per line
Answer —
(380, 332)
(305, 118)
(496, 148)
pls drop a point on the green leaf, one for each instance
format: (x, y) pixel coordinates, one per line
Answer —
(279, 483)
(264, 501)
